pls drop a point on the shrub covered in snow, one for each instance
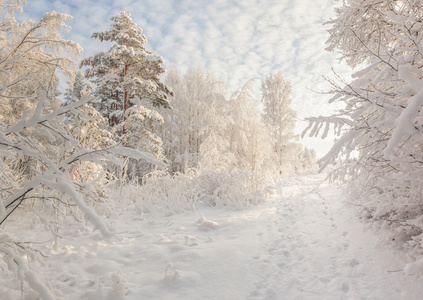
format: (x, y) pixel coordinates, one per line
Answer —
(167, 193)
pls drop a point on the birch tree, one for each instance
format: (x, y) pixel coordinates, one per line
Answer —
(279, 118)
(249, 139)
(193, 118)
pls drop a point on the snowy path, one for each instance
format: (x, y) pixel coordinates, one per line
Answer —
(303, 245)
(321, 252)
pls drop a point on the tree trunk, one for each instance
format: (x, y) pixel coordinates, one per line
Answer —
(125, 105)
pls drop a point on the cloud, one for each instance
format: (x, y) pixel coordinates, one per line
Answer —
(237, 40)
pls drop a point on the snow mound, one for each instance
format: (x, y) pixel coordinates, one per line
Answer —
(205, 224)
(415, 268)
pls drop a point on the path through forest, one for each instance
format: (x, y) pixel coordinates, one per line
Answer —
(317, 249)
(304, 244)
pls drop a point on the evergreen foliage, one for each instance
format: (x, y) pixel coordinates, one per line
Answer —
(129, 87)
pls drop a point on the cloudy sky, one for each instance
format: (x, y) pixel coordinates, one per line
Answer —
(236, 39)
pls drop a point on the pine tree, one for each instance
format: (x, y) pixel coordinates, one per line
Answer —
(127, 74)
(74, 91)
(128, 84)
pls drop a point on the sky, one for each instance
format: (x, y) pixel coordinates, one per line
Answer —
(236, 39)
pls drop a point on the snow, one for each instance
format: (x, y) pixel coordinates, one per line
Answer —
(303, 244)
(405, 123)
(137, 154)
(29, 275)
(67, 188)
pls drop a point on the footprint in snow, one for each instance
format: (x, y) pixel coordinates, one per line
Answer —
(169, 277)
(345, 287)
(205, 224)
(354, 262)
(190, 241)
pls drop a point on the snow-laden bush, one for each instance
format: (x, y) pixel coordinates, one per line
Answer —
(238, 190)
(162, 192)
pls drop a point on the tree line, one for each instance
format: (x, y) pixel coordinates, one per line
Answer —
(186, 120)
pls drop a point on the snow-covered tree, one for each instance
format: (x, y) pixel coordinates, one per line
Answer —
(217, 149)
(279, 118)
(75, 90)
(214, 149)
(89, 128)
(307, 160)
(379, 150)
(127, 74)
(192, 119)
(205, 130)
(37, 154)
(86, 126)
(29, 71)
(249, 139)
(128, 83)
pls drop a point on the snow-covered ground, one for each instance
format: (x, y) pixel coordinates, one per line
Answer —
(304, 244)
